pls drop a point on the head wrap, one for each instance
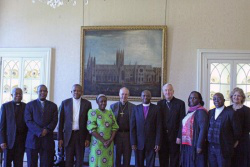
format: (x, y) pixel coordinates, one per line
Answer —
(100, 95)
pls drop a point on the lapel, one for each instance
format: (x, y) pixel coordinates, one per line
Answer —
(141, 114)
(39, 106)
(70, 114)
(222, 115)
(150, 112)
(12, 109)
(129, 109)
(166, 109)
(46, 106)
(116, 112)
(81, 108)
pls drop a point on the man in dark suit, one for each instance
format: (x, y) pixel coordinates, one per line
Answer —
(73, 131)
(223, 133)
(173, 111)
(122, 111)
(41, 117)
(145, 130)
(13, 129)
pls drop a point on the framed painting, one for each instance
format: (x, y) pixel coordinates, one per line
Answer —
(113, 57)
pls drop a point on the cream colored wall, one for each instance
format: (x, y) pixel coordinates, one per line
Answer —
(192, 25)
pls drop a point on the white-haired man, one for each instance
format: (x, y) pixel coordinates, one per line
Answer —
(173, 111)
(122, 111)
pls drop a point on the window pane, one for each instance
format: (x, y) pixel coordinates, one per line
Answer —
(10, 73)
(32, 78)
(243, 80)
(219, 81)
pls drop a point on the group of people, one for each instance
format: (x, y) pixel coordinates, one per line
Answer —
(193, 138)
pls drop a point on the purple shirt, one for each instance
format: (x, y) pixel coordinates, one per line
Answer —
(145, 111)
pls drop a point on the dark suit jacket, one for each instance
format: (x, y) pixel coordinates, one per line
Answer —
(37, 120)
(8, 124)
(230, 130)
(66, 119)
(116, 107)
(145, 133)
(172, 120)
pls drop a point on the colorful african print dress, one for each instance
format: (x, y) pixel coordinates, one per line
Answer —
(103, 123)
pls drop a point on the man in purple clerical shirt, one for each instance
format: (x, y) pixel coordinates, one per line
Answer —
(145, 130)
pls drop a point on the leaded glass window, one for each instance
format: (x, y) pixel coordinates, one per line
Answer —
(220, 81)
(23, 73)
(243, 79)
(25, 68)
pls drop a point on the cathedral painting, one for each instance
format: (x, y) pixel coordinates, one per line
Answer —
(116, 58)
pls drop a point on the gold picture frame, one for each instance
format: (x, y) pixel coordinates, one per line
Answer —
(116, 56)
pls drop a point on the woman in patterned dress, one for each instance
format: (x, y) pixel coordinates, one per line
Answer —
(102, 126)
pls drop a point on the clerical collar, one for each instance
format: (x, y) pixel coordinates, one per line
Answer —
(220, 108)
(42, 101)
(17, 103)
(123, 103)
(146, 105)
(169, 101)
(76, 100)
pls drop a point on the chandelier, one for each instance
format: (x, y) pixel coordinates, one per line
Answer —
(56, 3)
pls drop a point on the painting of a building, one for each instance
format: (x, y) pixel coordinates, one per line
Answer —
(102, 78)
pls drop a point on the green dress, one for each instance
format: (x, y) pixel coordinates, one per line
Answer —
(103, 123)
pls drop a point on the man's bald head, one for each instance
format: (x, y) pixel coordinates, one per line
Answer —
(17, 94)
(219, 100)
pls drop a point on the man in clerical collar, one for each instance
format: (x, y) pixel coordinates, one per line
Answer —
(12, 123)
(223, 133)
(122, 111)
(173, 111)
(41, 117)
(145, 130)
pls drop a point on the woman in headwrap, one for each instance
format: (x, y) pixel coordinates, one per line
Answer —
(102, 126)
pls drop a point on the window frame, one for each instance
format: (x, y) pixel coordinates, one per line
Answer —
(206, 55)
(30, 53)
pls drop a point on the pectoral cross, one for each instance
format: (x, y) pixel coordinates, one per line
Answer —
(122, 113)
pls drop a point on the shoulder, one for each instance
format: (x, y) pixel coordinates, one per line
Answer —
(154, 106)
(51, 103)
(114, 105)
(131, 104)
(201, 113)
(92, 111)
(67, 100)
(245, 108)
(6, 104)
(211, 111)
(179, 101)
(161, 102)
(85, 101)
(31, 102)
(136, 107)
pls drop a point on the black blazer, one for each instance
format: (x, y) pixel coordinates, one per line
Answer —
(37, 120)
(66, 119)
(8, 124)
(116, 106)
(172, 119)
(230, 130)
(145, 133)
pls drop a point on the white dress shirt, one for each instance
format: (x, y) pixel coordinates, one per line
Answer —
(218, 111)
(76, 112)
